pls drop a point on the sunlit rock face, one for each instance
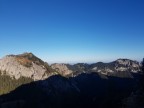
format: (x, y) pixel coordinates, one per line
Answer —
(120, 67)
(24, 65)
(127, 65)
(61, 68)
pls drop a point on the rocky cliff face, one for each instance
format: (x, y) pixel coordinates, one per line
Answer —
(25, 65)
(115, 68)
(63, 69)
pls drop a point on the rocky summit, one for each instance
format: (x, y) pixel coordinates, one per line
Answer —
(25, 65)
(120, 68)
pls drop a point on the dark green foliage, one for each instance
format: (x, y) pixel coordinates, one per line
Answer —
(8, 84)
(143, 65)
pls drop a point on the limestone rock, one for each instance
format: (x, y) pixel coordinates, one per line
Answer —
(24, 65)
(62, 69)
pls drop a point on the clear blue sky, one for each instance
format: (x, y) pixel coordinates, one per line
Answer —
(73, 30)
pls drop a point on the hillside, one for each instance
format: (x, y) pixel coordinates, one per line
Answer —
(82, 91)
(25, 65)
(16, 70)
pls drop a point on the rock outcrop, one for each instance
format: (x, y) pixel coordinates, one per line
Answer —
(116, 67)
(120, 67)
(63, 69)
(25, 65)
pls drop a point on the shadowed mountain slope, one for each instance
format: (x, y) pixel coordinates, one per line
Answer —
(83, 91)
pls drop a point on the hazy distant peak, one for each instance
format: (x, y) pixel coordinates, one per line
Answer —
(119, 68)
(127, 62)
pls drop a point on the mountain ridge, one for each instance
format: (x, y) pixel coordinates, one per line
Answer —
(63, 85)
(28, 65)
(112, 68)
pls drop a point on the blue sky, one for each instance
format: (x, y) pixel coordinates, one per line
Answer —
(73, 30)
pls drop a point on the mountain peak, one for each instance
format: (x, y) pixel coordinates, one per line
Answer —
(27, 59)
(126, 62)
(25, 65)
(29, 54)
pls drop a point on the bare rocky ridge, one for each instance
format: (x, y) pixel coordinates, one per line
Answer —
(28, 65)
(118, 66)
(115, 68)
(24, 65)
(127, 65)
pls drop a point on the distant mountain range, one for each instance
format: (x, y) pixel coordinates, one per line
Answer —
(28, 65)
(119, 68)
(26, 82)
